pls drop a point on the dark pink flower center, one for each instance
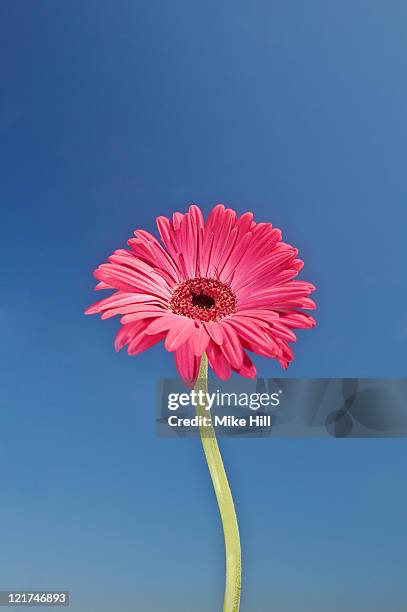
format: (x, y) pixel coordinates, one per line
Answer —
(205, 299)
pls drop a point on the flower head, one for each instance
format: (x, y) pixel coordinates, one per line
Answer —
(223, 287)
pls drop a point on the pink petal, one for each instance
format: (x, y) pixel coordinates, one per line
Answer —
(231, 347)
(126, 333)
(199, 340)
(139, 316)
(147, 248)
(119, 299)
(259, 340)
(125, 279)
(218, 362)
(280, 330)
(163, 323)
(134, 334)
(143, 341)
(293, 318)
(226, 220)
(167, 236)
(235, 257)
(179, 332)
(248, 370)
(215, 331)
(187, 364)
(143, 309)
(102, 285)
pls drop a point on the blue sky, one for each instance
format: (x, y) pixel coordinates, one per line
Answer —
(112, 113)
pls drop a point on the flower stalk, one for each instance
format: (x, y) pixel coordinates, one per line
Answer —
(223, 496)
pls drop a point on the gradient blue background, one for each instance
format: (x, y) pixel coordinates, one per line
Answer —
(112, 113)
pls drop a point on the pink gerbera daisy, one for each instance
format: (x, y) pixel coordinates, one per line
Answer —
(223, 287)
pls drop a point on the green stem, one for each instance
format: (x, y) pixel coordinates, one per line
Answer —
(224, 497)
